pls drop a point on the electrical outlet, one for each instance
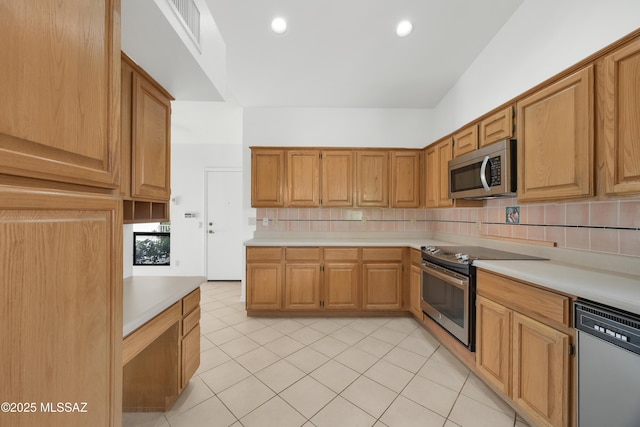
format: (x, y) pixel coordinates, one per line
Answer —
(479, 225)
(265, 222)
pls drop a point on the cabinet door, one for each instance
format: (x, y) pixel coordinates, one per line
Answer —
(61, 306)
(540, 371)
(405, 179)
(190, 355)
(496, 127)
(465, 141)
(340, 282)
(372, 178)
(432, 165)
(60, 89)
(444, 155)
(382, 286)
(414, 290)
(151, 141)
(621, 128)
(302, 286)
(337, 178)
(264, 286)
(267, 178)
(555, 138)
(303, 178)
(493, 343)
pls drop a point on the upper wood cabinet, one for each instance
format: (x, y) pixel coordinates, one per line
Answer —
(437, 157)
(372, 178)
(405, 179)
(303, 178)
(267, 177)
(337, 178)
(146, 145)
(496, 127)
(621, 125)
(465, 140)
(556, 140)
(60, 91)
(151, 141)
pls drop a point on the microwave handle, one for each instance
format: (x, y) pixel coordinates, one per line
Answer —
(483, 173)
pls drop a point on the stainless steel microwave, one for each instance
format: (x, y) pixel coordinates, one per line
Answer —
(484, 173)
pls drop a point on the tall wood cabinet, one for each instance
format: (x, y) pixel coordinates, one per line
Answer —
(556, 140)
(60, 83)
(60, 221)
(621, 127)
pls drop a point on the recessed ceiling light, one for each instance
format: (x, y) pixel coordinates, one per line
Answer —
(404, 28)
(279, 25)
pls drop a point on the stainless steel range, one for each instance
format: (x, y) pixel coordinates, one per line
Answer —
(448, 286)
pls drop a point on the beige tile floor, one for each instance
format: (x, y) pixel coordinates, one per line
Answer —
(323, 372)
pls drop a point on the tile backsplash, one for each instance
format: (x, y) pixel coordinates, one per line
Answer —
(598, 226)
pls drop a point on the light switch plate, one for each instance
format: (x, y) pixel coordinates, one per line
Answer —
(265, 222)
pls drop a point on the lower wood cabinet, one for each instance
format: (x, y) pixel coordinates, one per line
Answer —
(264, 278)
(340, 283)
(323, 279)
(523, 349)
(302, 286)
(382, 278)
(382, 286)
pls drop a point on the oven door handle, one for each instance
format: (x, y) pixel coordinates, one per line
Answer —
(461, 283)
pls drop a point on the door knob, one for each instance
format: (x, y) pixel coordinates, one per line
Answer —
(212, 232)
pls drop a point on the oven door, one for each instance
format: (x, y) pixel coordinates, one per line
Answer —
(445, 298)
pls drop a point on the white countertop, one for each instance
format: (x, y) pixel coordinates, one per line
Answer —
(615, 289)
(346, 241)
(144, 297)
(608, 287)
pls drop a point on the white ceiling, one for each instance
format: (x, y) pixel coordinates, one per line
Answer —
(335, 53)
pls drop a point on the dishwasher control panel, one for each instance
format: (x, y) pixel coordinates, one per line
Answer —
(617, 327)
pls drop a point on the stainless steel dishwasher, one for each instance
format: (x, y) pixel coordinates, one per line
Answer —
(608, 366)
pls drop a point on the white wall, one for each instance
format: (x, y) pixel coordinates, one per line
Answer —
(542, 38)
(203, 135)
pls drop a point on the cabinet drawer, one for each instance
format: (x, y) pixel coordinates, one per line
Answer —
(264, 254)
(524, 298)
(302, 254)
(190, 321)
(416, 256)
(191, 301)
(382, 254)
(341, 254)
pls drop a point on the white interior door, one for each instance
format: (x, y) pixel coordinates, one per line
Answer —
(224, 225)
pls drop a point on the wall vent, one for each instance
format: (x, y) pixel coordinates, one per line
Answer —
(190, 15)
